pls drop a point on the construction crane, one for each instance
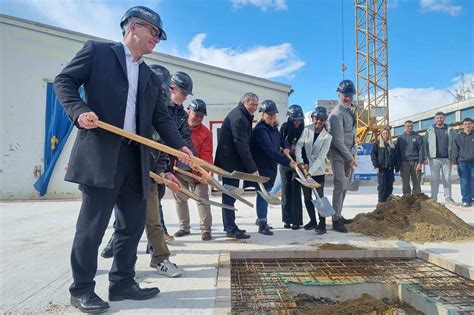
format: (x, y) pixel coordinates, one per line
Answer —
(371, 67)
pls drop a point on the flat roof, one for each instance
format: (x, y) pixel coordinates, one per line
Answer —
(81, 37)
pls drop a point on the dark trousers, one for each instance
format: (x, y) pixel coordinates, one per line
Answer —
(228, 216)
(308, 197)
(94, 216)
(292, 207)
(466, 176)
(407, 171)
(385, 187)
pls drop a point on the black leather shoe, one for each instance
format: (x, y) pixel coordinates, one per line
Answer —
(287, 226)
(311, 225)
(89, 303)
(346, 221)
(338, 226)
(237, 234)
(295, 227)
(133, 292)
(321, 228)
(108, 251)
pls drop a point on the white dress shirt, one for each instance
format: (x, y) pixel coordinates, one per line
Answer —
(130, 123)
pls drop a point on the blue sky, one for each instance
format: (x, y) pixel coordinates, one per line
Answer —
(296, 42)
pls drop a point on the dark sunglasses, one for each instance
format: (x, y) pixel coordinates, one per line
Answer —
(153, 31)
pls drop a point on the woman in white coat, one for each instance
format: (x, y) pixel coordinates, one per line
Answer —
(312, 149)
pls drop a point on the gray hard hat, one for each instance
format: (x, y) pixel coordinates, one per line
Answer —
(147, 15)
(198, 106)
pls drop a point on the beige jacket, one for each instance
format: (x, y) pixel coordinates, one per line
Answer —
(316, 152)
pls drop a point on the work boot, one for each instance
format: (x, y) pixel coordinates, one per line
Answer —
(263, 228)
(338, 226)
(321, 228)
(181, 233)
(257, 223)
(108, 251)
(346, 221)
(311, 225)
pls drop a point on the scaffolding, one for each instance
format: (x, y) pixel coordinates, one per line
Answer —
(371, 67)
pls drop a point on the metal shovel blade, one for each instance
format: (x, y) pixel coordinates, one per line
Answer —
(308, 182)
(351, 184)
(269, 198)
(323, 206)
(186, 195)
(236, 190)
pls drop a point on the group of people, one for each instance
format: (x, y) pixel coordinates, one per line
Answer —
(113, 171)
(441, 148)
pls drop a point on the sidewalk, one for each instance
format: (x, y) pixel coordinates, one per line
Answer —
(36, 239)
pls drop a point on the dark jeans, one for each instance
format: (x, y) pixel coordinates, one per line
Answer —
(385, 187)
(228, 216)
(308, 197)
(292, 207)
(466, 176)
(94, 216)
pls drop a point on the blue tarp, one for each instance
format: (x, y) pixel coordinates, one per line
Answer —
(57, 130)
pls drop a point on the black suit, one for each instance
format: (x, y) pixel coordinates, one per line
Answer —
(233, 154)
(110, 171)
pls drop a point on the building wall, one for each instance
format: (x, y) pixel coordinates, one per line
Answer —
(33, 54)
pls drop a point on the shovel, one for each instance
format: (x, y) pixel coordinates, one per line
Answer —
(269, 198)
(214, 183)
(184, 193)
(195, 160)
(322, 204)
(232, 191)
(351, 184)
(307, 182)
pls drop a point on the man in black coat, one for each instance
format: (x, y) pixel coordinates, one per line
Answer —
(233, 154)
(120, 89)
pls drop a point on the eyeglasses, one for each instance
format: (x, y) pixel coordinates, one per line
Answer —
(153, 31)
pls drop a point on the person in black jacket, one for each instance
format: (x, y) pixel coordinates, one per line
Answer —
(463, 160)
(265, 146)
(384, 159)
(120, 90)
(292, 207)
(233, 154)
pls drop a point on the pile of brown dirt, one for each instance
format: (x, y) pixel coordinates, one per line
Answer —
(412, 218)
(366, 304)
(335, 246)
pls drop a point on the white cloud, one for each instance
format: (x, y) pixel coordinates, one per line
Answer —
(445, 6)
(262, 61)
(97, 18)
(264, 5)
(405, 102)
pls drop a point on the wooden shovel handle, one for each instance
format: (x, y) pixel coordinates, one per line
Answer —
(161, 180)
(156, 145)
(297, 169)
(186, 173)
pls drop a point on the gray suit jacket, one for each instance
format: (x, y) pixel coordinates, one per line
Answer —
(342, 127)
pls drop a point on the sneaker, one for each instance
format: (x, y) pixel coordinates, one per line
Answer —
(450, 201)
(206, 236)
(167, 268)
(168, 238)
(181, 233)
(466, 204)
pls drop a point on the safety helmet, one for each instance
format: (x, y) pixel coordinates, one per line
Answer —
(320, 112)
(163, 74)
(269, 107)
(346, 87)
(198, 106)
(295, 112)
(183, 81)
(147, 15)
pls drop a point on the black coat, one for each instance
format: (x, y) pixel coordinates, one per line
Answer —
(233, 146)
(102, 69)
(265, 146)
(385, 157)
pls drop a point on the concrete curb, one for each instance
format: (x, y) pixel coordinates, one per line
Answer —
(451, 265)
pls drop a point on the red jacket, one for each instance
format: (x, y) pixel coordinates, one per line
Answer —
(202, 142)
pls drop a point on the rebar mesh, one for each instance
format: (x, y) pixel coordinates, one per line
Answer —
(260, 285)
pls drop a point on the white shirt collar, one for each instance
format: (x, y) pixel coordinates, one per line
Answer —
(128, 53)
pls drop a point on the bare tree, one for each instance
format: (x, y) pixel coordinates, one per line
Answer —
(464, 89)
